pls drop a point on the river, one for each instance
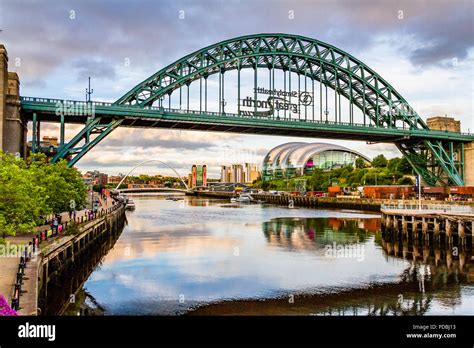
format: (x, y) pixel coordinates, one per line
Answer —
(204, 256)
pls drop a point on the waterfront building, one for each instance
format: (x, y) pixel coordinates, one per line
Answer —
(95, 177)
(225, 174)
(239, 174)
(198, 176)
(114, 179)
(251, 172)
(389, 192)
(298, 158)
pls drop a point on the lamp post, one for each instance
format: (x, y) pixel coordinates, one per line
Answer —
(92, 190)
(89, 91)
(224, 103)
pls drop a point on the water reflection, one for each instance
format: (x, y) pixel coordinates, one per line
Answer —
(316, 233)
(198, 256)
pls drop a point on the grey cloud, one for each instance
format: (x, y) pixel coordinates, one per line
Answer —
(444, 33)
(96, 68)
(33, 83)
(151, 33)
(177, 144)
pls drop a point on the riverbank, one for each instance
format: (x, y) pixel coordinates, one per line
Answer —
(363, 204)
(14, 246)
(60, 271)
(20, 283)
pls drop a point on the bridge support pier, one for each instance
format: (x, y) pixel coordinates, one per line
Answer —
(469, 164)
(13, 127)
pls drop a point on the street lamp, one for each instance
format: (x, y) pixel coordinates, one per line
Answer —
(92, 190)
(224, 103)
(89, 91)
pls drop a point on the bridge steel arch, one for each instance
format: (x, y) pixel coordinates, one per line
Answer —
(327, 64)
(305, 56)
(437, 158)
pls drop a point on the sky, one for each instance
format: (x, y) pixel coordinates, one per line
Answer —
(424, 49)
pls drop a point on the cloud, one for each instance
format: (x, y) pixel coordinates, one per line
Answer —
(438, 44)
(164, 139)
(48, 33)
(98, 68)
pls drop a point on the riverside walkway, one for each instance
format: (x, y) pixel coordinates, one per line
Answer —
(9, 263)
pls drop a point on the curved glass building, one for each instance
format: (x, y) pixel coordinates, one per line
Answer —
(297, 159)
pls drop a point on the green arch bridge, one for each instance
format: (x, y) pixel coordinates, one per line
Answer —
(269, 84)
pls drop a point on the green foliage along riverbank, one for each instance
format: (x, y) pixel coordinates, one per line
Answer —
(32, 189)
(382, 172)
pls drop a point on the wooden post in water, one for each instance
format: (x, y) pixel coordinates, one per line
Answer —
(437, 255)
(448, 231)
(424, 225)
(449, 256)
(414, 232)
(416, 249)
(436, 226)
(472, 233)
(389, 221)
(426, 253)
(461, 233)
(404, 224)
(424, 230)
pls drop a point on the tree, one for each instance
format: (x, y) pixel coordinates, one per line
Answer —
(265, 185)
(405, 181)
(393, 164)
(22, 202)
(404, 166)
(64, 188)
(31, 189)
(379, 161)
(360, 163)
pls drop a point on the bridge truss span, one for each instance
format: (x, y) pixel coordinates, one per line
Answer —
(272, 84)
(307, 57)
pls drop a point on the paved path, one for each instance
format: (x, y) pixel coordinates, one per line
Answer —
(9, 265)
(29, 289)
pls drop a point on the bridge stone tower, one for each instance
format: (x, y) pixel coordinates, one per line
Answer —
(469, 164)
(445, 123)
(13, 127)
